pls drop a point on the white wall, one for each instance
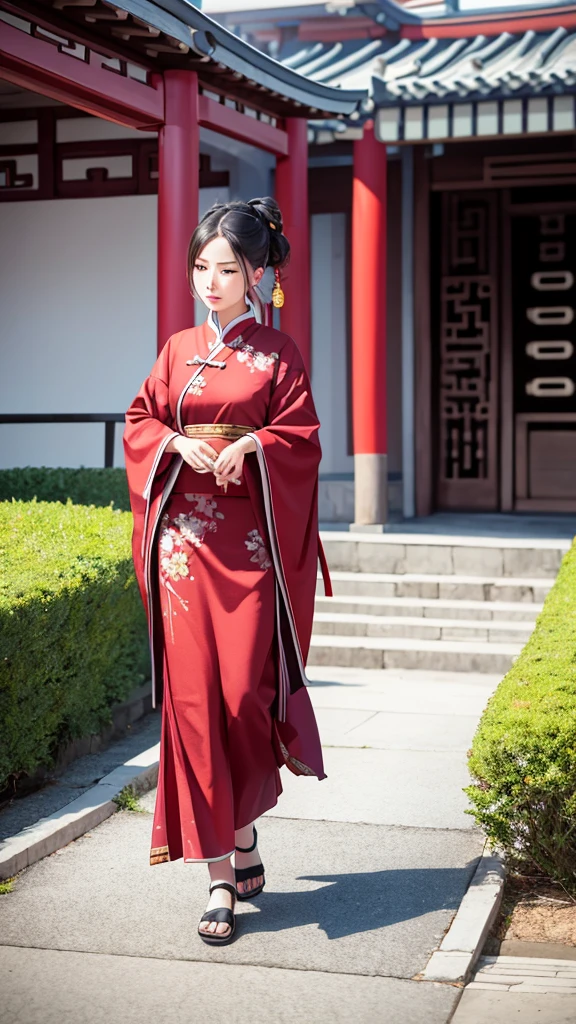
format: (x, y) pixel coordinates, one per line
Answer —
(329, 358)
(78, 320)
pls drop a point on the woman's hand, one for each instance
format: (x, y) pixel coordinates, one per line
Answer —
(230, 462)
(196, 452)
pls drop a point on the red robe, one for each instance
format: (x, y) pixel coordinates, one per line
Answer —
(263, 385)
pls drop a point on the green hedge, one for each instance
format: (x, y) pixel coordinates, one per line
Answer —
(523, 758)
(73, 637)
(82, 486)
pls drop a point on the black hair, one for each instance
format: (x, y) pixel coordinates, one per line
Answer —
(253, 231)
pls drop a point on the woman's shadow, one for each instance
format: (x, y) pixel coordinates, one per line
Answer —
(351, 903)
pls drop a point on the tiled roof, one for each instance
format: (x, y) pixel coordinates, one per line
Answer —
(504, 84)
(429, 69)
(504, 65)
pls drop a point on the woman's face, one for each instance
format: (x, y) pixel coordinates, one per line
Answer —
(218, 278)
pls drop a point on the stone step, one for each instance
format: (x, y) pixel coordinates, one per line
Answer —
(417, 627)
(358, 604)
(429, 553)
(397, 652)
(451, 587)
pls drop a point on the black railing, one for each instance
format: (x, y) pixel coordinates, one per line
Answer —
(109, 419)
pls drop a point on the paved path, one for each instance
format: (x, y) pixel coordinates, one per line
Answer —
(364, 874)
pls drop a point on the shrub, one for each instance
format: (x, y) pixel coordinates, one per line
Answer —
(523, 758)
(73, 638)
(82, 486)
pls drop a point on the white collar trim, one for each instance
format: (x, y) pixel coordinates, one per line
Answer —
(214, 322)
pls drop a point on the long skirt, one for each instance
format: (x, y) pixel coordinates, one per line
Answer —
(219, 756)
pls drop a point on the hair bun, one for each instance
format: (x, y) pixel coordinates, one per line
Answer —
(268, 211)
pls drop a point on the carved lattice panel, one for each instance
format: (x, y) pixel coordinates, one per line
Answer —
(85, 169)
(465, 376)
(467, 405)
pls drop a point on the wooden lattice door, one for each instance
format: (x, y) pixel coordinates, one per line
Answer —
(467, 353)
(542, 327)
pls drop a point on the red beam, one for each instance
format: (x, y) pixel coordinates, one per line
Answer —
(235, 125)
(338, 29)
(40, 66)
(490, 25)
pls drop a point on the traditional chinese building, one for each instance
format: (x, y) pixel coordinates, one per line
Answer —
(448, 205)
(119, 124)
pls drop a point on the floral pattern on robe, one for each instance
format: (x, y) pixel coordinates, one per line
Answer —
(256, 544)
(185, 528)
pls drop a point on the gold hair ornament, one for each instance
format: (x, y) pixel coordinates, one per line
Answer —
(277, 292)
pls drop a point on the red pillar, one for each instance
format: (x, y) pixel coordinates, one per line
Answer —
(292, 198)
(178, 182)
(369, 257)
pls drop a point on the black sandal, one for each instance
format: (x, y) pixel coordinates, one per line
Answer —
(222, 915)
(243, 874)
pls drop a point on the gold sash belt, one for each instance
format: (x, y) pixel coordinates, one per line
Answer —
(230, 431)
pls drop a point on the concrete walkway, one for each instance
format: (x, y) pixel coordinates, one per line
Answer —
(365, 872)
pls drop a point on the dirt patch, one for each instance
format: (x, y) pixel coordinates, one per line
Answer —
(534, 909)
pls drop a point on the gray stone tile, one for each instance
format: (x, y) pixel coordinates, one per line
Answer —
(512, 636)
(454, 591)
(381, 558)
(414, 653)
(370, 588)
(433, 559)
(82, 988)
(420, 631)
(447, 660)
(339, 721)
(532, 561)
(414, 788)
(343, 556)
(419, 588)
(454, 632)
(481, 561)
(460, 610)
(479, 1006)
(323, 653)
(411, 731)
(452, 693)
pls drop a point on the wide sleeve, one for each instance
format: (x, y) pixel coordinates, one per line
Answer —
(149, 427)
(288, 453)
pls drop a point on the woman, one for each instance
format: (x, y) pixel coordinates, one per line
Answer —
(222, 458)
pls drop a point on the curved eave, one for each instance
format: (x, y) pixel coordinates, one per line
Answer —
(382, 98)
(217, 46)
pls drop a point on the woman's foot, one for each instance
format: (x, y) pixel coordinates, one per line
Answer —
(220, 898)
(245, 839)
